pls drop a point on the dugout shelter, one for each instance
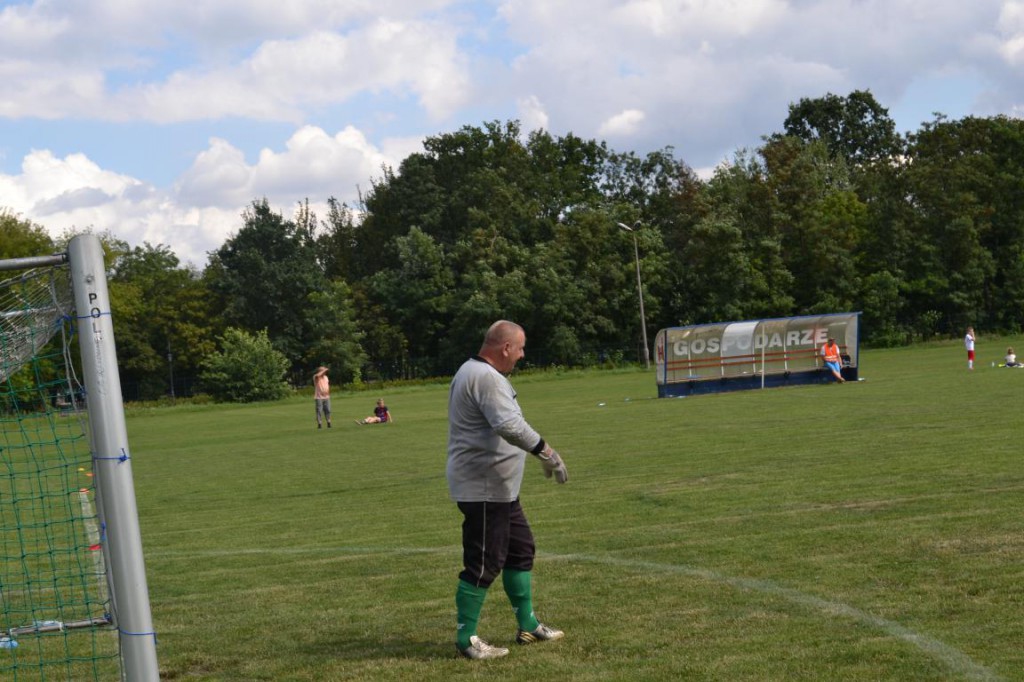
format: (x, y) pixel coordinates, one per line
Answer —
(733, 356)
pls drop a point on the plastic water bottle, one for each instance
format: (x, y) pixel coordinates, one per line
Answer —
(8, 643)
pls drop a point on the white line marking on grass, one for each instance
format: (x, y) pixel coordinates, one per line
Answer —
(955, 660)
(353, 551)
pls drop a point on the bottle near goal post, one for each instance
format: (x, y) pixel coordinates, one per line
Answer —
(74, 602)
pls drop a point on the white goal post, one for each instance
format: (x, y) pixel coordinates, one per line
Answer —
(111, 456)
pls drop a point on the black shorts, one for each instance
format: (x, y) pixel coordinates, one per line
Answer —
(495, 535)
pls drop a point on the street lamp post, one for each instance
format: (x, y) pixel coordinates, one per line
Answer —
(170, 366)
(639, 292)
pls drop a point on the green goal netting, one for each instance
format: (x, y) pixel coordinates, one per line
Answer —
(53, 594)
(58, 596)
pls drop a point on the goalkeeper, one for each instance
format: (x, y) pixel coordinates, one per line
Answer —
(488, 442)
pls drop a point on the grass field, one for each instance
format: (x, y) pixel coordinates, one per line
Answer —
(870, 531)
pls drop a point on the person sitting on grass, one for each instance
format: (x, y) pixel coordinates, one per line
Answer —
(380, 414)
(1011, 359)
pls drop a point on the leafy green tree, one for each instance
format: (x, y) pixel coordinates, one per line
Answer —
(740, 194)
(856, 127)
(480, 179)
(858, 131)
(659, 186)
(563, 173)
(336, 339)
(395, 203)
(338, 243)
(584, 295)
(247, 368)
(263, 277)
(964, 182)
(826, 275)
(669, 200)
(386, 347)
(485, 176)
(717, 273)
(460, 220)
(20, 238)
(882, 306)
(143, 367)
(417, 293)
(462, 181)
(888, 243)
(819, 220)
(491, 286)
(161, 309)
(484, 296)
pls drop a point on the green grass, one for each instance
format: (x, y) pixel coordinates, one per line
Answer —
(870, 531)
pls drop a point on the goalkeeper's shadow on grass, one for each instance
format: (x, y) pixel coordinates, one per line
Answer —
(402, 646)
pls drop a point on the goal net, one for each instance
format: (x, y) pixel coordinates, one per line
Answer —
(58, 593)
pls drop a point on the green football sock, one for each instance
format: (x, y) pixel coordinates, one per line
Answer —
(518, 588)
(469, 602)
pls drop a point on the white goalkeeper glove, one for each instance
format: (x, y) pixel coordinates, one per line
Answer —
(553, 464)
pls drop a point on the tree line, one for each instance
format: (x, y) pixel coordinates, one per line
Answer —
(835, 212)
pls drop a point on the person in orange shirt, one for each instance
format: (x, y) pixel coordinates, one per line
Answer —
(833, 360)
(322, 397)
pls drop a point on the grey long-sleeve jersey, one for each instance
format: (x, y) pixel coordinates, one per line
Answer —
(488, 438)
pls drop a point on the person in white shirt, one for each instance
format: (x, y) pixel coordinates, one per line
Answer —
(969, 345)
(488, 443)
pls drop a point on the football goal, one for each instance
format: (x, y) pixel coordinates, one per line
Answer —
(74, 603)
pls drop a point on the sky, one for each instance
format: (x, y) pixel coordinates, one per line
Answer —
(160, 121)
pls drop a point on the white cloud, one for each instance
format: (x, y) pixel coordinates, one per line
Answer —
(203, 207)
(622, 124)
(317, 164)
(111, 28)
(218, 177)
(285, 58)
(46, 177)
(532, 114)
(74, 194)
(395, 149)
(313, 165)
(714, 77)
(1011, 29)
(704, 77)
